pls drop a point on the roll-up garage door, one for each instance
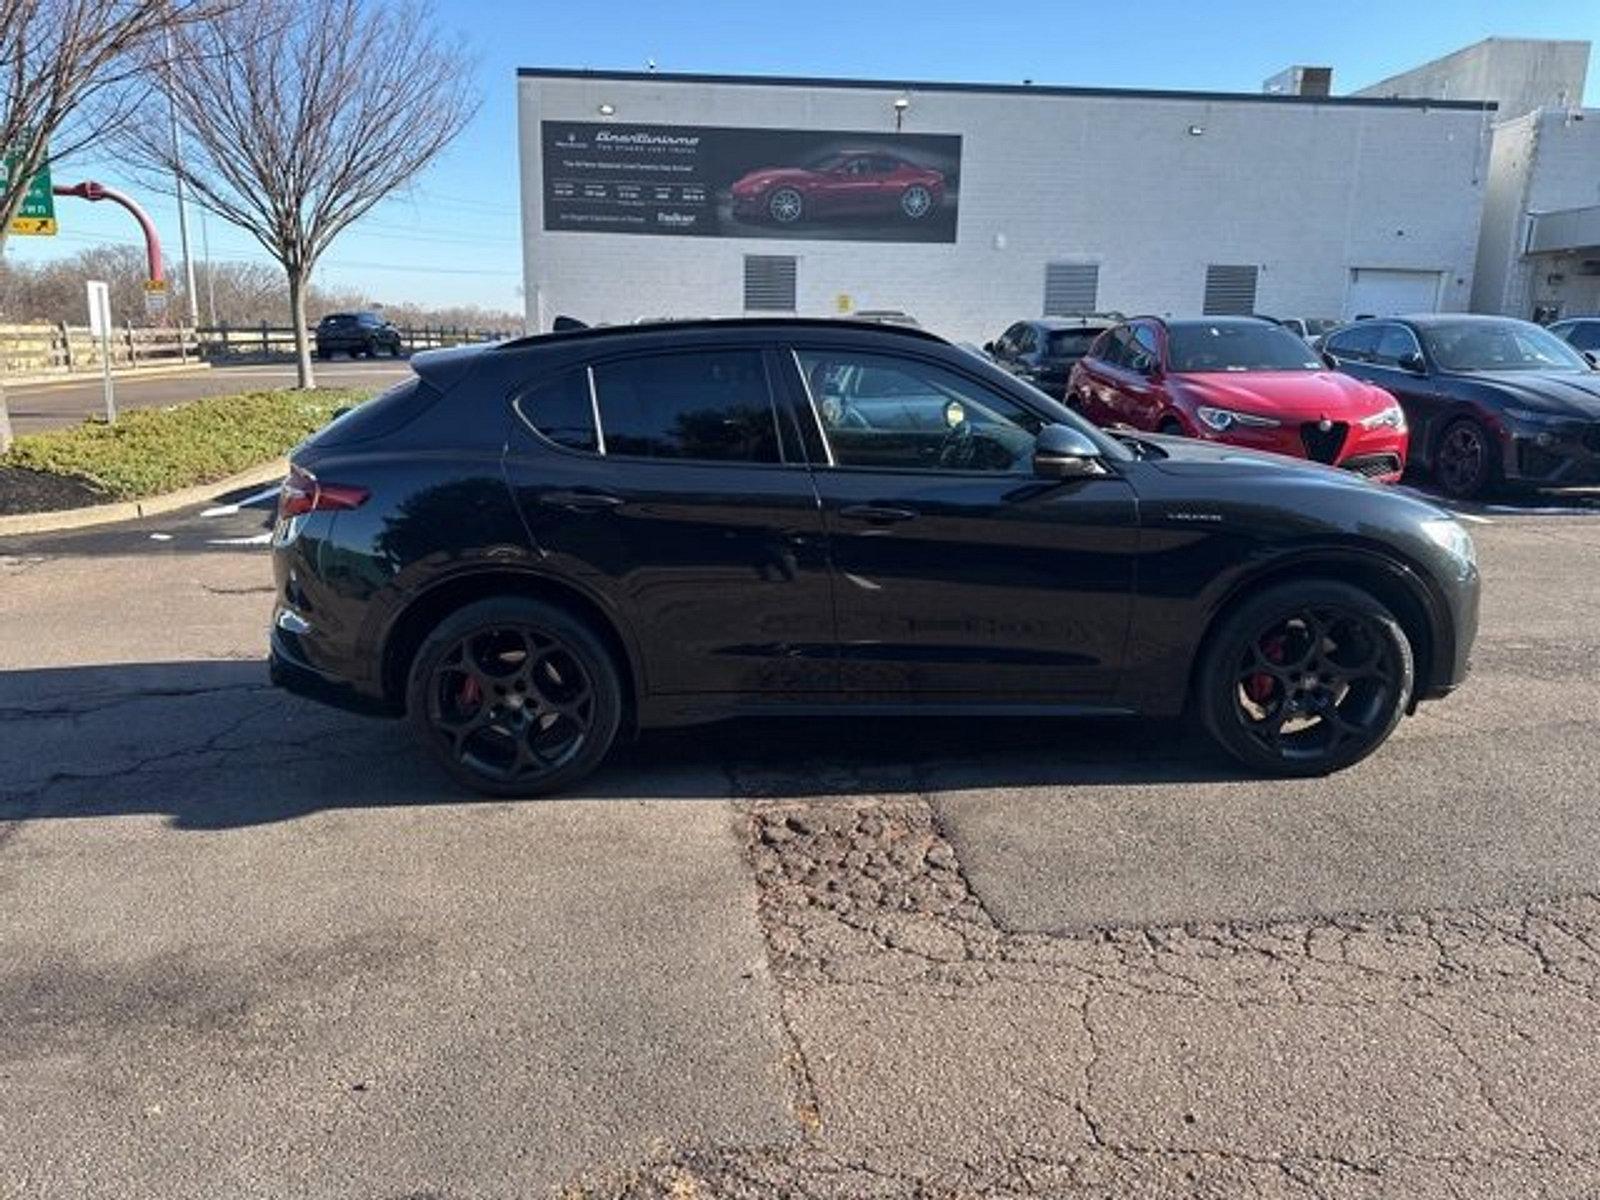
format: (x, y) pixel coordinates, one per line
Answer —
(1383, 292)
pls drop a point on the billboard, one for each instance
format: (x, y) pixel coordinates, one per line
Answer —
(718, 181)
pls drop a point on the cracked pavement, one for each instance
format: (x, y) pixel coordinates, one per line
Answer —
(255, 948)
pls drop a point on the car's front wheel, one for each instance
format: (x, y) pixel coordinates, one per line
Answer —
(1305, 678)
(1464, 462)
(786, 206)
(514, 697)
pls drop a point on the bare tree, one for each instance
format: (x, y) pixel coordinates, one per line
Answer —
(68, 72)
(300, 116)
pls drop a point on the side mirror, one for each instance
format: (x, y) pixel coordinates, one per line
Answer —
(988, 347)
(1061, 452)
(1414, 363)
(1593, 360)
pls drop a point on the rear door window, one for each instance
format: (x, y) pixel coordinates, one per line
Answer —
(1355, 344)
(707, 406)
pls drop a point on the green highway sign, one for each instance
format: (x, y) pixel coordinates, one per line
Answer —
(37, 216)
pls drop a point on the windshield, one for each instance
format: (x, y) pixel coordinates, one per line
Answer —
(1071, 343)
(1499, 346)
(1241, 346)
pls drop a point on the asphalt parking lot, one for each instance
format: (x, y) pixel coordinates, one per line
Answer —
(258, 948)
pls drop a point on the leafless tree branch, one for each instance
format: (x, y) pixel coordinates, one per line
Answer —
(300, 115)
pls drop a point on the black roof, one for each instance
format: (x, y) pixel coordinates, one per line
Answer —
(691, 325)
(1015, 89)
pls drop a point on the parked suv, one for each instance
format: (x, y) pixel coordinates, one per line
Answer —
(356, 333)
(1246, 381)
(531, 548)
(1044, 351)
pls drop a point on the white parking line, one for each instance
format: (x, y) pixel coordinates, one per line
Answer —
(260, 539)
(228, 510)
(1476, 520)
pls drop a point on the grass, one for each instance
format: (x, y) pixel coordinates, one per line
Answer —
(154, 450)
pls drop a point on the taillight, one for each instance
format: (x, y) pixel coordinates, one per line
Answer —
(303, 492)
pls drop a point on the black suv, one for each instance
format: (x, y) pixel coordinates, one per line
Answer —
(356, 333)
(532, 547)
(1044, 351)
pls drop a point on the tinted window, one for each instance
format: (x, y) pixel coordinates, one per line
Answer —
(1583, 335)
(712, 406)
(1500, 346)
(1117, 349)
(1236, 346)
(1146, 353)
(880, 411)
(559, 409)
(1394, 343)
(1027, 339)
(1071, 343)
(1356, 343)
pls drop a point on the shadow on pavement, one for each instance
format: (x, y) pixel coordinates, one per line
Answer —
(212, 745)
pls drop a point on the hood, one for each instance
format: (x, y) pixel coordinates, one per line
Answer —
(1288, 395)
(768, 176)
(1559, 393)
(1195, 456)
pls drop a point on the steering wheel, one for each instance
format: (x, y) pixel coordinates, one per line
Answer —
(955, 452)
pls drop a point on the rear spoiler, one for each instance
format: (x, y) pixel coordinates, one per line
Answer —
(443, 369)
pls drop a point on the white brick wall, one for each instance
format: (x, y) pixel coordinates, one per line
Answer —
(1305, 190)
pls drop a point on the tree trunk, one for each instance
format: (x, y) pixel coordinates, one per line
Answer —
(302, 344)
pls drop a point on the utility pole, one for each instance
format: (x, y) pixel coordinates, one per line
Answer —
(191, 300)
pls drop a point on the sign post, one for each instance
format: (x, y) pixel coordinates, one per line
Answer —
(37, 216)
(100, 327)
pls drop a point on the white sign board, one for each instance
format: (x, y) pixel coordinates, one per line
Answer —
(99, 308)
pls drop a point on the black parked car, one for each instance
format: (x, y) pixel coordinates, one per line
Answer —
(1489, 400)
(356, 333)
(1581, 333)
(1044, 351)
(532, 547)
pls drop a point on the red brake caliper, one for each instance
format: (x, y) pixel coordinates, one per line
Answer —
(469, 695)
(1259, 686)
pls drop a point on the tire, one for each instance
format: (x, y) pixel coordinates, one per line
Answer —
(518, 649)
(1171, 426)
(1262, 690)
(394, 350)
(916, 202)
(1460, 471)
(321, 354)
(786, 206)
(370, 350)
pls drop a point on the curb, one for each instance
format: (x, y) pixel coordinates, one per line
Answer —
(79, 378)
(133, 510)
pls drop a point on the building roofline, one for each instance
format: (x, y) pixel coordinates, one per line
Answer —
(998, 89)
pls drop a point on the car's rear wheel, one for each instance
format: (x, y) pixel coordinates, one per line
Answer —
(786, 206)
(916, 202)
(1305, 679)
(514, 697)
(1465, 459)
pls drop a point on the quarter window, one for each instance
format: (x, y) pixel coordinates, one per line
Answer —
(1355, 344)
(896, 413)
(559, 409)
(713, 406)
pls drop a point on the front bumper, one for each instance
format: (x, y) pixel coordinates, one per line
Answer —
(1559, 454)
(1375, 454)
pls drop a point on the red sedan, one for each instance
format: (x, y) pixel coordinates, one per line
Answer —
(1244, 381)
(853, 183)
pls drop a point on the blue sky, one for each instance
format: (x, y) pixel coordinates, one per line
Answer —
(455, 236)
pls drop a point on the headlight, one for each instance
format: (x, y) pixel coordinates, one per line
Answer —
(1450, 536)
(1393, 417)
(1223, 419)
(1529, 416)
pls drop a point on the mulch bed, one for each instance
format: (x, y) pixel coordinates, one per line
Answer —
(25, 491)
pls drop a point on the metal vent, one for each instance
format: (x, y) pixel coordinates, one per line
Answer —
(769, 282)
(1230, 291)
(1070, 288)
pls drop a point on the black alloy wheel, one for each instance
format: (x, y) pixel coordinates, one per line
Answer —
(515, 697)
(1464, 463)
(1306, 678)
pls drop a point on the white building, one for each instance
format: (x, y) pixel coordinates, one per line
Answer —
(1053, 199)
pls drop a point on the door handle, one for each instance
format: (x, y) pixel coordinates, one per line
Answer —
(877, 514)
(582, 500)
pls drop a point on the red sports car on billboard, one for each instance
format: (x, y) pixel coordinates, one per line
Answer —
(862, 183)
(1241, 380)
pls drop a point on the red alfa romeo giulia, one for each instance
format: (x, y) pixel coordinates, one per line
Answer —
(1241, 380)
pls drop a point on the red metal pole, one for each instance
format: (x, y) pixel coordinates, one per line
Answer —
(99, 191)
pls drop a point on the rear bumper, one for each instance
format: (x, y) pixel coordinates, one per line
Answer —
(292, 673)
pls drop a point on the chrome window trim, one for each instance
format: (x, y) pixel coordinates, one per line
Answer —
(594, 411)
(811, 400)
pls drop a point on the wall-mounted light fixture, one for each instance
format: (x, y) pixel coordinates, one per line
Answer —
(608, 109)
(901, 103)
